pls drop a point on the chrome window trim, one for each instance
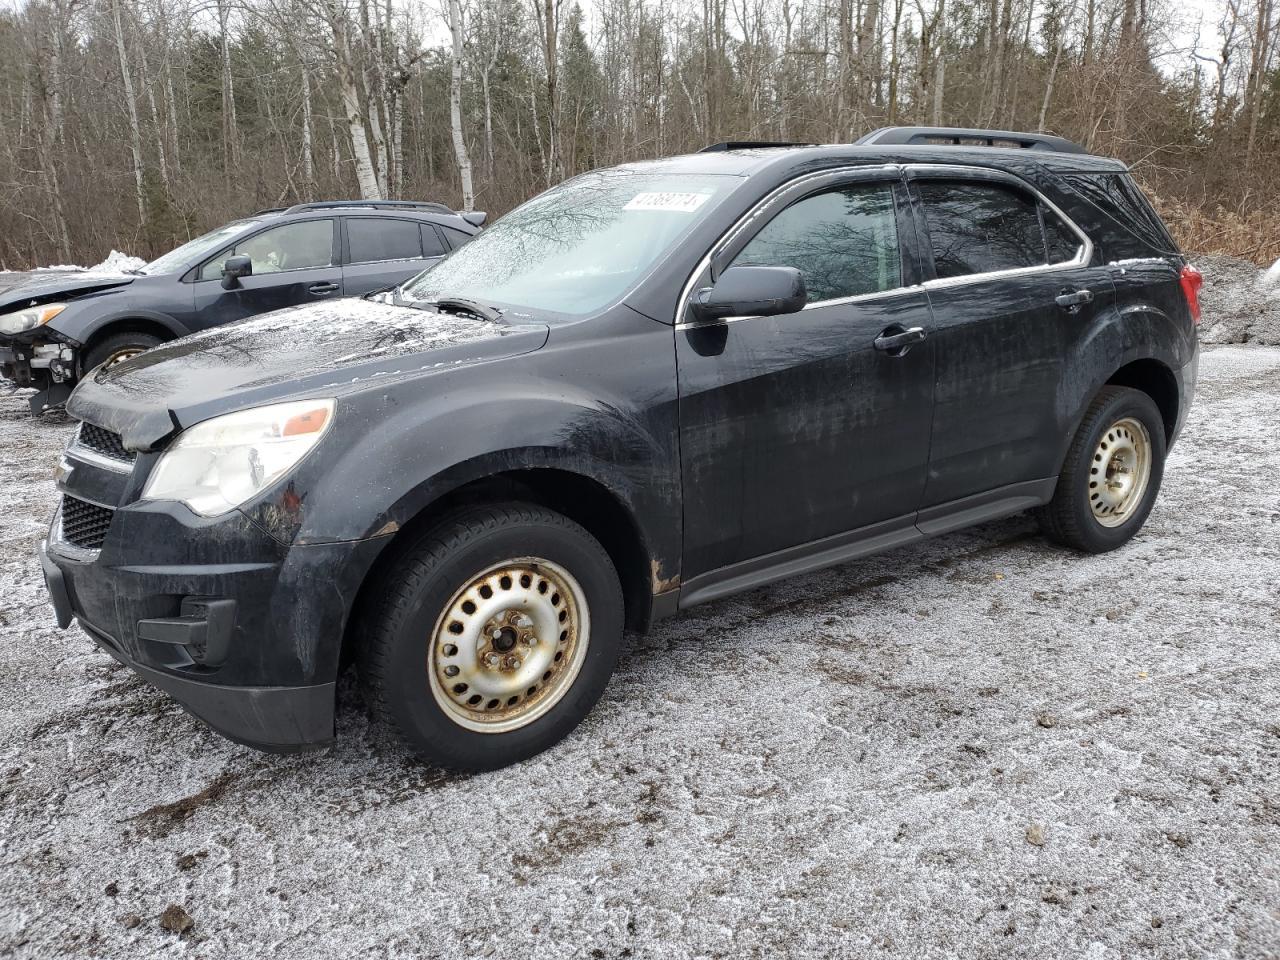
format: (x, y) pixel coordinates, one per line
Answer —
(89, 455)
(744, 221)
(986, 174)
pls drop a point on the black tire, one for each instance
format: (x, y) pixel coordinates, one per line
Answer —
(114, 345)
(1068, 518)
(426, 576)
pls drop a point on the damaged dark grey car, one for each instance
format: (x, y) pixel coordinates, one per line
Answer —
(648, 388)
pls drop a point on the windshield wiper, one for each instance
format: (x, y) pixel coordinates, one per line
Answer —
(463, 304)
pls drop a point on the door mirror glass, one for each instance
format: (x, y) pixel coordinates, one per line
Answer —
(233, 269)
(751, 292)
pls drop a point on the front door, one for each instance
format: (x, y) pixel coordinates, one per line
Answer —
(293, 263)
(1016, 286)
(796, 428)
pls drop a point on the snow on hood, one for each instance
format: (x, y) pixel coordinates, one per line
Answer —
(332, 347)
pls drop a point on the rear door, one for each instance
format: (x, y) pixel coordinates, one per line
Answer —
(796, 428)
(1015, 284)
(382, 252)
(293, 263)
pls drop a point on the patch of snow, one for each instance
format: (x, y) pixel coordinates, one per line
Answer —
(115, 263)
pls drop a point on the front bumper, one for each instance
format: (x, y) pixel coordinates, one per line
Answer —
(244, 632)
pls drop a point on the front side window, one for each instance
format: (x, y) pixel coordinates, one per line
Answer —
(290, 246)
(579, 246)
(371, 239)
(844, 242)
(981, 228)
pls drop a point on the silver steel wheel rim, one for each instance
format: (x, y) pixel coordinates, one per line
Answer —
(509, 645)
(1119, 472)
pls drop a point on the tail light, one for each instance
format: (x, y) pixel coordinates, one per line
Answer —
(1192, 280)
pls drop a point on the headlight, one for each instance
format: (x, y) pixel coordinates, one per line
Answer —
(219, 464)
(20, 321)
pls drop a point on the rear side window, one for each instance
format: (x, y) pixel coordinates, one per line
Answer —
(981, 228)
(844, 242)
(1063, 243)
(371, 239)
(432, 245)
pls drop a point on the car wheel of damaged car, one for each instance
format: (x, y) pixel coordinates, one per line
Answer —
(117, 348)
(494, 637)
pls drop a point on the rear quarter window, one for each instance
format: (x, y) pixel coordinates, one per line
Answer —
(1131, 227)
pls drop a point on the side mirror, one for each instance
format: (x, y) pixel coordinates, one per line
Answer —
(751, 292)
(233, 269)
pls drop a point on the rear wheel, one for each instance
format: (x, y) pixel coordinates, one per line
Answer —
(494, 636)
(116, 348)
(1112, 473)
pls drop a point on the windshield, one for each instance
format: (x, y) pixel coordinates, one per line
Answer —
(579, 246)
(195, 250)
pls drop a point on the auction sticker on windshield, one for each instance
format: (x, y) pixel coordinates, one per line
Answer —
(675, 202)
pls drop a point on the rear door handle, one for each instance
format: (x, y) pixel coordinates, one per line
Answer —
(896, 341)
(1072, 300)
(322, 289)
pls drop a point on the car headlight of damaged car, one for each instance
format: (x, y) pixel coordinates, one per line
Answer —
(20, 321)
(217, 465)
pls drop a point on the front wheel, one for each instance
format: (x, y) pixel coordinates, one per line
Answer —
(494, 636)
(1112, 473)
(117, 348)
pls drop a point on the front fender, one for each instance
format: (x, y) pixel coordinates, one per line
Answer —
(393, 453)
(89, 326)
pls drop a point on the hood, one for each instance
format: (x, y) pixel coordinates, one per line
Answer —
(325, 349)
(22, 289)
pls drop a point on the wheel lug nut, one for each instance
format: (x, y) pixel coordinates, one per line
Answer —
(512, 662)
(530, 640)
(524, 621)
(492, 660)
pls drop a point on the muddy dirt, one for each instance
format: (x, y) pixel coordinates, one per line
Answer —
(981, 746)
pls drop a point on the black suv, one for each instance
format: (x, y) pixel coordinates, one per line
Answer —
(650, 387)
(57, 326)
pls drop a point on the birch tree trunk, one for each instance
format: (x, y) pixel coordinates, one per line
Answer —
(230, 130)
(455, 108)
(366, 174)
(308, 168)
(131, 110)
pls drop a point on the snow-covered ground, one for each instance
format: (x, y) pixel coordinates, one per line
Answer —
(981, 746)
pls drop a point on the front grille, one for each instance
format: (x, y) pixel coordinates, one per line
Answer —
(104, 442)
(84, 524)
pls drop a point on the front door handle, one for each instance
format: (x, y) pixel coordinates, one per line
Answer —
(1072, 300)
(896, 341)
(322, 289)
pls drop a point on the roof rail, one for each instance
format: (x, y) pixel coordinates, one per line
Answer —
(965, 136)
(375, 204)
(749, 145)
(259, 213)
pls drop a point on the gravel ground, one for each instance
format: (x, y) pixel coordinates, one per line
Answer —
(976, 747)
